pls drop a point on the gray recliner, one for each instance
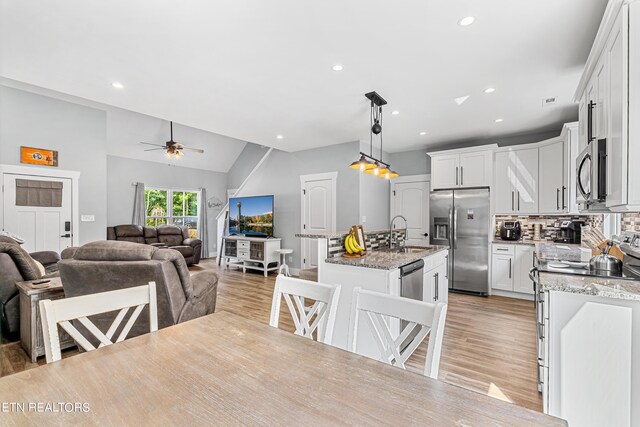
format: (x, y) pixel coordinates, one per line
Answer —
(109, 265)
(16, 265)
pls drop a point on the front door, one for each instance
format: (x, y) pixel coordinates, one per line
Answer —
(411, 200)
(317, 216)
(43, 225)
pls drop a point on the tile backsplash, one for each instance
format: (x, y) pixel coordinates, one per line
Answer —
(630, 221)
(374, 240)
(551, 224)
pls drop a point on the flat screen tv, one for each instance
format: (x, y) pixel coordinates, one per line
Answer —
(251, 216)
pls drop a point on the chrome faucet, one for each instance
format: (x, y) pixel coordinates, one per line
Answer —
(391, 229)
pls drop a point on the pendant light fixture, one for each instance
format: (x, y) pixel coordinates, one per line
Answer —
(367, 163)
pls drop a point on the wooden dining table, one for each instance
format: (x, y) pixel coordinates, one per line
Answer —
(223, 369)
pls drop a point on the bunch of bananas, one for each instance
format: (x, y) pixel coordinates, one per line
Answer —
(351, 245)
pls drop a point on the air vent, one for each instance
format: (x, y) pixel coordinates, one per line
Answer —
(548, 102)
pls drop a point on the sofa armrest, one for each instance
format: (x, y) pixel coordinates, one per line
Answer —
(196, 244)
(46, 258)
(203, 301)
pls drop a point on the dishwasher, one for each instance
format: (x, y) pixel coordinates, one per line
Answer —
(411, 287)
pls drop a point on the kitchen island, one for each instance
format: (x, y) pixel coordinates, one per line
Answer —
(379, 271)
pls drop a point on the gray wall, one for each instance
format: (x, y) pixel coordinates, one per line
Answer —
(123, 172)
(80, 134)
(411, 162)
(77, 132)
(247, 160)
(374, 195)
(280, 175)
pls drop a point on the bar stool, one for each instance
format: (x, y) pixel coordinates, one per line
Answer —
(284, 268)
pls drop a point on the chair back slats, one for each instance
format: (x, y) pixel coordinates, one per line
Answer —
(425, 319)
(62, 312)
(320, 316)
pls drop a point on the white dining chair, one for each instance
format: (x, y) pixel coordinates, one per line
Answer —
(320, 316)
(428, 318)
(63, 311)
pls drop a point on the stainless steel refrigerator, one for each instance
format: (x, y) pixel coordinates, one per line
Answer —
(460, 220)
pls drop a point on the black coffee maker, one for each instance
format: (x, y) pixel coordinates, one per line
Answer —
(511, 230)
(570, 232)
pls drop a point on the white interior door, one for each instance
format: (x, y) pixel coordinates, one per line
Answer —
(318, 213)
(42, 228)
(411, 200)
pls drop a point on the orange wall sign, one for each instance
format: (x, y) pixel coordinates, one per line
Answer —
(38, 156)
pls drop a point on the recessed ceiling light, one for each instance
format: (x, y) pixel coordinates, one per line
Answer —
(498, 120)
(337, 67)
(395, 112)
(279, 136)
(423, 133)
(117, 85)
(490, 90)
(466, 21)
(461, 100)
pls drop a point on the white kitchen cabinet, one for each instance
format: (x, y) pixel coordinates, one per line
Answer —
(592, 362)
(502, 272)
(617, 144)
(462, 168)
(510, 265)
(445, 171)
(527, 183)
(475, 169)
(553, 168)
(516, 181)
(570, 138)
(436, 284)
(610, 84)
(523, 262)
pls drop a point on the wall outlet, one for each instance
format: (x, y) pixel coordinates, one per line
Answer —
(290, 258)
(87, 218)
(364, 219)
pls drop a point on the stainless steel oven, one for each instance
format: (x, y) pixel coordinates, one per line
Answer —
(592, 173)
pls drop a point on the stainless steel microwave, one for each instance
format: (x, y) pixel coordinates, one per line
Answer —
(592, 173)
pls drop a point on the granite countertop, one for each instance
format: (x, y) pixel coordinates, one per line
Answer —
(594, 286)
(337, 234)
(383, 260)
(558, 252)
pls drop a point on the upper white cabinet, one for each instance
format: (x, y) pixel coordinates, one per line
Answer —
(445, 171)
(609, 102)
(462, 168)
(553, 189)
(516, 181)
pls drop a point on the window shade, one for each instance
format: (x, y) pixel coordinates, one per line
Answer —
(44, 194)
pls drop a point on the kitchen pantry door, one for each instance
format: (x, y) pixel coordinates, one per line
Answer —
(318, 212)
(42, 228)
(410, 198)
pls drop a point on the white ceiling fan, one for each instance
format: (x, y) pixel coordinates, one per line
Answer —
(172, 148)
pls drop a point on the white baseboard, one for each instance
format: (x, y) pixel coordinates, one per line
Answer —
(509, 294)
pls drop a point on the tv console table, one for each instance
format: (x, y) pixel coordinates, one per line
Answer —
(255, 253)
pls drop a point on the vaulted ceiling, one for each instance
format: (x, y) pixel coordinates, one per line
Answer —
(255, 69)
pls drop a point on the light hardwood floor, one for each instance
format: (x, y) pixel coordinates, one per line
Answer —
(489, 343)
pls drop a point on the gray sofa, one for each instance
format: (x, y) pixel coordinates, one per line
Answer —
(172, 236)
(109, 265)
(16, 265)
